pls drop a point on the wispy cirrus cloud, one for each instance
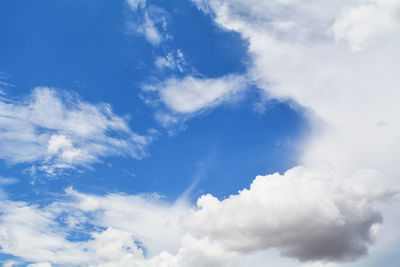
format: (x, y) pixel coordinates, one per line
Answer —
(148, 21)
(55, 130)
(173, 60)
(5, 82)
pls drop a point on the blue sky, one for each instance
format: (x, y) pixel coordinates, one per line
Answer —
(142, 133)
(103, 61)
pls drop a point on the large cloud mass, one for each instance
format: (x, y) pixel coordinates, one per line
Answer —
(340, 60)
(305, 214)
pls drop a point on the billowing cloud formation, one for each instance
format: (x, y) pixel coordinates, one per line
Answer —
(305, 214)
(58, 131)
(308, 214)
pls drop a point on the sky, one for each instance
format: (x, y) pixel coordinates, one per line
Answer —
(199, 133)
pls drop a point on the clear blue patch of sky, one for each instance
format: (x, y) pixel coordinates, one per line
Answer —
(6, 257)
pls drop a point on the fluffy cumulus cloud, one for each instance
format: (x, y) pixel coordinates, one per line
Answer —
(55, 130)
(305, 214)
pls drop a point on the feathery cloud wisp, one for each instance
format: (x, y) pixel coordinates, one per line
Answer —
(55, 130)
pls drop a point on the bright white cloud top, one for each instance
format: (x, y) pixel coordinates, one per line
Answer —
(305, 214)
(338, 60)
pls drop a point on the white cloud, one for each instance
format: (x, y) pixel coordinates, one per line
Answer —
(191, 94)
(149, 21)
(41, 264)
(305, 214)
(113, 245)
(145, 216)
(135, 4)
(7, 180)
(5, 82)
(173, 60)
(10, 263)
(57, 130)
(22, 225)
(193, 253)
(362, 24)
(40, 235)
(4, 181)
(184, 97)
